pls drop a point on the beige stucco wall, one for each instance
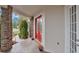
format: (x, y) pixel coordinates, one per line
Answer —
(54, 28)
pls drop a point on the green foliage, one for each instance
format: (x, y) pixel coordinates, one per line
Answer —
(23, 28)
(14, 24)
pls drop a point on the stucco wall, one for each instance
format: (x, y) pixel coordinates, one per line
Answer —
(54, 28)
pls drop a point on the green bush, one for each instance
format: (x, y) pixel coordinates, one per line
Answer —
(23, 27)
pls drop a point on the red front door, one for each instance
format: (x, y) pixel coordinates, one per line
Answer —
(38, 28)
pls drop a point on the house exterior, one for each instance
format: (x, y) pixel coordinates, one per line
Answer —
(59, 29)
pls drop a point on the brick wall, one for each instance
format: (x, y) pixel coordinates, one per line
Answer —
(6, 28)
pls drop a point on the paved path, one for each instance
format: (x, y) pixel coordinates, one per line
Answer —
(24, 46)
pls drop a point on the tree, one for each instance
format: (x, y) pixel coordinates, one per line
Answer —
(23, 28)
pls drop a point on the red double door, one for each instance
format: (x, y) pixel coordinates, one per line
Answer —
(38, 28)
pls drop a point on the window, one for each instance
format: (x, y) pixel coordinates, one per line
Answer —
(73, 29)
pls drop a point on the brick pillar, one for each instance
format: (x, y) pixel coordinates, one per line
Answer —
(6, 28)
(31, 27)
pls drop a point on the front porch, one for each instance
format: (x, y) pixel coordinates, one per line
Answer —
(18, 45)
(50, 28)
(54, 28)
(24, 46)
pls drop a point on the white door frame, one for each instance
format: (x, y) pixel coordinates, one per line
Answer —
(67, 29)
(43, 28)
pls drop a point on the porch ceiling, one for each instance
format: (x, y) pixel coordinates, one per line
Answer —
(28, 10)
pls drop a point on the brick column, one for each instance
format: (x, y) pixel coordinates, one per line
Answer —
(6, 28)
(31, 26)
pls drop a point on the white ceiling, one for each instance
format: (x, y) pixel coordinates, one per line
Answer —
(30, 10)
(27, 10)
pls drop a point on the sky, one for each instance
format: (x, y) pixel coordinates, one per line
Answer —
(15, 16)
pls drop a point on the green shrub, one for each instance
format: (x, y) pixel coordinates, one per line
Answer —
(23, 28)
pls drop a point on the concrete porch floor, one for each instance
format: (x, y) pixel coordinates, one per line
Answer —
(24, 46)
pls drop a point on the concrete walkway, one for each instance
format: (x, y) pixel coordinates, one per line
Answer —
(24, 46)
